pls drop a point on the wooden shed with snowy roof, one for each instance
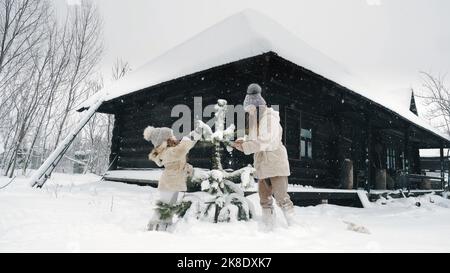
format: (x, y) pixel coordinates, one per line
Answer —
(339, 133)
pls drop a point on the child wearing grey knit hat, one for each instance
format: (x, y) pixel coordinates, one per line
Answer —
(253, 96)
(170, 153)
(270, 158)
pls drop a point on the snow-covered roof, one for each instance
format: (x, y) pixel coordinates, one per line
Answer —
(399, 101)
(432, 152)
(239, 36)
(244, 35)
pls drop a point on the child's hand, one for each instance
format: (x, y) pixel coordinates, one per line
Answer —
(194, 135)
(238, 145)
(171, 142)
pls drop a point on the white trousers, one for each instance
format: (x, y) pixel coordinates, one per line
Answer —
(169, 197)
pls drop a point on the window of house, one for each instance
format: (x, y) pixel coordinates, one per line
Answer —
(298, 138)
(306, 143)
(390, 158)
(404, 160)
(292, 133)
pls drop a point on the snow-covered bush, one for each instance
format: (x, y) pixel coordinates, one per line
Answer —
(167, 211)
(226, 201)
(224, 195)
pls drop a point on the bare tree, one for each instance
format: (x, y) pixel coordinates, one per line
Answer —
(20, 21)
(120, 69)
(54, 60)
(87, 49)
(20, 74)
(97, 133)
(436, 95)
(45, 69)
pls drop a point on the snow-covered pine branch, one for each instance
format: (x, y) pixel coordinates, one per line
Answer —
(220, 135)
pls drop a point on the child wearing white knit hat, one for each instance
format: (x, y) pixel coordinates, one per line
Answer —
(170, 153)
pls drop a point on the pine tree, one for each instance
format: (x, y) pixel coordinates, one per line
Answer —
(226, 201)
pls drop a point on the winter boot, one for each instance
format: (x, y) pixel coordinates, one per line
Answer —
(152, 225)
(157, 224)
(289, 215)
(268, 218)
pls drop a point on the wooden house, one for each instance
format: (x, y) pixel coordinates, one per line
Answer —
(339, 133)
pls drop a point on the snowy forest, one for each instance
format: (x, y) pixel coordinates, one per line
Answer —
(48, 65)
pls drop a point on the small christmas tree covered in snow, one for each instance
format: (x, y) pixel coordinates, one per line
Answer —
(225, 200)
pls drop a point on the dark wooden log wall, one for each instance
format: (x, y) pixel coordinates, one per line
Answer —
(153, 107)
(338, 119)
(318, 105)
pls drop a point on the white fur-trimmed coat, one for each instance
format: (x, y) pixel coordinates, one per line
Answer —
(176, 169)
(265, 142)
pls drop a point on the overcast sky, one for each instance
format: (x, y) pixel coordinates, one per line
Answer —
(385, 42)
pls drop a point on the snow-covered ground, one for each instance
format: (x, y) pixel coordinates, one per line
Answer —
(79, 213)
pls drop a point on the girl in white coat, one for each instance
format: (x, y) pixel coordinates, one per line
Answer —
(170, 153)
(270, 156)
